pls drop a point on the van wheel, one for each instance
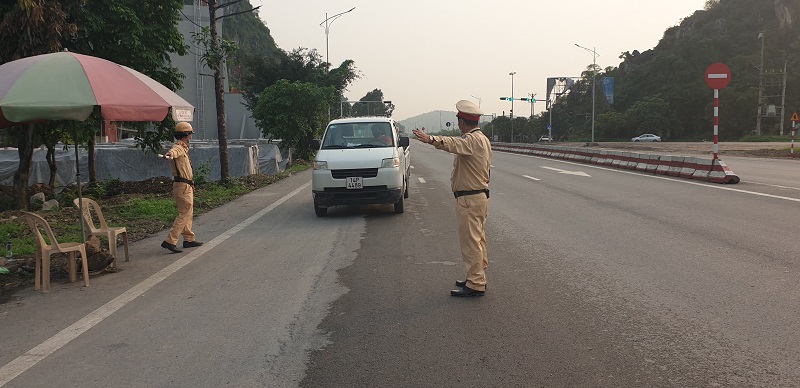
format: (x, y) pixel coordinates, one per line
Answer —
(320, 211)
(398, 206)
(405, 193)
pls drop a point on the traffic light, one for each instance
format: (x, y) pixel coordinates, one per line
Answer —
(507, 98)
(528, 99)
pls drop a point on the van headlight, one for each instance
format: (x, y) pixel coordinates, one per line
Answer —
(390, 162)
(318, 165)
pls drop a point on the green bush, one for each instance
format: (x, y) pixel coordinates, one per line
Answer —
(202, 172)
(67, 195)
(105, 189)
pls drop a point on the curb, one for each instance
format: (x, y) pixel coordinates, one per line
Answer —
(709, 170)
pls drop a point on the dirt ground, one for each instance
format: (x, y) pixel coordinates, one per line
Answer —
(22, 269)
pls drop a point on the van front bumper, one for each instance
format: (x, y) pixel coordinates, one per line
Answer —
(366, 196)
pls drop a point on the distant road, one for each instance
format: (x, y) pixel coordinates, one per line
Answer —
(687, 148)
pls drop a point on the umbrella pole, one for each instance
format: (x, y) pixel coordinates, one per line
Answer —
(78, 178)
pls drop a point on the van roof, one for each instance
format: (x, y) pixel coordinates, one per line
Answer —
(368, 119)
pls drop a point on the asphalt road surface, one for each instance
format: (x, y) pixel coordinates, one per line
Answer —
(597, 278)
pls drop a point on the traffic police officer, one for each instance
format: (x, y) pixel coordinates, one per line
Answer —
(182, 190)
(470, 185)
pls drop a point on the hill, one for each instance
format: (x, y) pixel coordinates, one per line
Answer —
(663, 90)
(434, 121)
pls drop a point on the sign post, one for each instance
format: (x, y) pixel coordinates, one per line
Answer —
(794, 119)
(718, 75)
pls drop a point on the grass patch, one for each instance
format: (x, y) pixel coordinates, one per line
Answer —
(157, 208)
(766, 138)
(141, 214)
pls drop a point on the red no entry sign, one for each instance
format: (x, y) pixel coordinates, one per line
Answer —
(718, 75)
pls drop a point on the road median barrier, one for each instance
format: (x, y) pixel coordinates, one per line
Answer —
(709, 170)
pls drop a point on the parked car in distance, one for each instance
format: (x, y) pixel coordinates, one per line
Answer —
(646, 137)
(545, 138)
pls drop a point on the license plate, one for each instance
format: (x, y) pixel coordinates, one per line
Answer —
(355, 182)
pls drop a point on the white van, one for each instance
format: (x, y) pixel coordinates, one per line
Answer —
(361, 160)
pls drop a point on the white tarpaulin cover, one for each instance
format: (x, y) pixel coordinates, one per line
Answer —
(132, 164)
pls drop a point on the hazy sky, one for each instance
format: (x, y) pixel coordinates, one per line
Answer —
(427, 55)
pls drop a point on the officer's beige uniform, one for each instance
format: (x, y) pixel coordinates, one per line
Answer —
(470, 173)
(183, 192)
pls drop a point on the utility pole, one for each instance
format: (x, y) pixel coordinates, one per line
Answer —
(783, 97)
(760, 85)
(594, 77)
(532, 100)
(512, 104)
(771, 85)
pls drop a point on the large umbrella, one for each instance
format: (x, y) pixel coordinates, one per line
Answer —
(67, 86)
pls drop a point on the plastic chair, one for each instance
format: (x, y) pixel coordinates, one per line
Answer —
(45, 250)
(111, 232)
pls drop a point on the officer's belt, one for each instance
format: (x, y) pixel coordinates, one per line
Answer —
(179, 179)
(470, 192)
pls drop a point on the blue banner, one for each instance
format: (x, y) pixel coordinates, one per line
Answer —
(608, 89)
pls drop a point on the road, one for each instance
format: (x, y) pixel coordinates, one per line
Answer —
(598, 278)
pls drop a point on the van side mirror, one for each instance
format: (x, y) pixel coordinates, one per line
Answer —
(315, 144)
(404, 141)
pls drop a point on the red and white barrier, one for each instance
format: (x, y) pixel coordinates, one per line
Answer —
(709, 170)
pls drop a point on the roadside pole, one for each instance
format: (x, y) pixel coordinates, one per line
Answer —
(718, 75)
(794, 119)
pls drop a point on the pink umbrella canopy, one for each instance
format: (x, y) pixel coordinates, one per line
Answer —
(67, 86)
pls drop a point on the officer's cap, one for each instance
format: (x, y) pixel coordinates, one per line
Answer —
(183, 128)
(467, 110)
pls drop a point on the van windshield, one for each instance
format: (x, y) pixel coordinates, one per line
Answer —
(358, 135)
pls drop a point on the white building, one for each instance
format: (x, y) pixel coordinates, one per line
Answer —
(198, 86)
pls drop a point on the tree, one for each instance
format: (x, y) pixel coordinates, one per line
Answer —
(651, 115)
(138, 34)
(27, 28)
(372, 104)
(214, 55)
(724, 31)
(612, 125)
(149, 31)
(295, 112)
(301, 65)
(50, 134)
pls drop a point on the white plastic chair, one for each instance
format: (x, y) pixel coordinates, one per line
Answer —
(110, 232)
(45, 250)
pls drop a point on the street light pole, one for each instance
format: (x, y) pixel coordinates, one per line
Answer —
(479, 100)
(594, 75)
(512, 104)
(328, 21)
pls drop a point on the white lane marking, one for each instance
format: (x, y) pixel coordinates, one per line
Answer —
(560, 171)
(778, 186)
(421, 180)
(532, 178)
(24, 362)
(677, 180)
